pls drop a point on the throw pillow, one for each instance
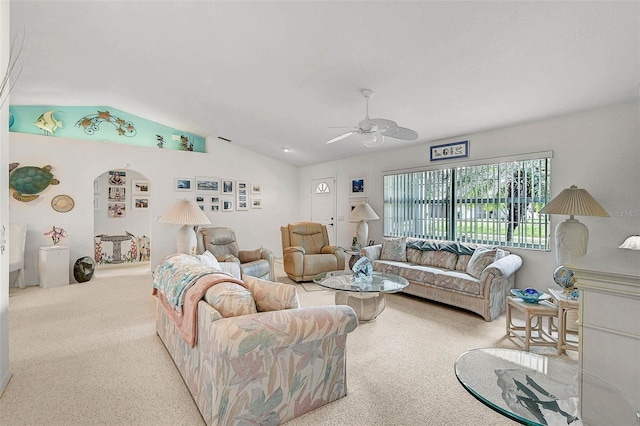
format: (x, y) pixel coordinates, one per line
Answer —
(230, 299)
(270, 296)
(394, 249)
(481, 258)
(208, 258)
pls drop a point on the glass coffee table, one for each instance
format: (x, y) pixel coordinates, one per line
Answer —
(364, 294)
(533, 389)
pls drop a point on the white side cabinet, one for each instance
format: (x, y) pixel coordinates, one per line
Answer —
(54, 266)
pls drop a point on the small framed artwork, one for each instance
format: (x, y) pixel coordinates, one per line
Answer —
(242, 197)
(215, 207)
(117, 210)
(256, 203)
(353, 202)
(116, 193)
(227, 205)
(183, 184)
(358, 186)
(209, 185)
(201, 206)
(199, 199)
(117, 178)
(256, 188)
(371, 243)
(139, 186)
(448, 151)
(139, 203)
(215, 200)
(227, 187)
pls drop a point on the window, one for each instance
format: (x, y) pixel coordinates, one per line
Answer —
(494, 204)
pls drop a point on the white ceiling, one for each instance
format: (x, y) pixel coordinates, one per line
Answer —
(275, 74)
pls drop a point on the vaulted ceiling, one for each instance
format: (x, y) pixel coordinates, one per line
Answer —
(269, 75)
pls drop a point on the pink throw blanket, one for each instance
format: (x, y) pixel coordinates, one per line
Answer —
(187, 322)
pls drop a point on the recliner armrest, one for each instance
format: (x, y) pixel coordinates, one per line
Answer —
(331, 249)
(294, 249)
(246, 256)
(228, 258)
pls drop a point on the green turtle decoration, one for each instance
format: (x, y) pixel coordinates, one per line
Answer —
(28, 181)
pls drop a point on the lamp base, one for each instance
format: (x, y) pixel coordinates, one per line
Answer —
(186, 240)
(362, 231)
(572, 239)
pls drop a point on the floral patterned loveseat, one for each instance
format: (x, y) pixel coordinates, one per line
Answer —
(258, 358)
(474, 277)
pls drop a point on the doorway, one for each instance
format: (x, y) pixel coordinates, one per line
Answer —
(121, 219)
(323, 204)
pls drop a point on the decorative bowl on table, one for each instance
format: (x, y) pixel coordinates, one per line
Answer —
(529, 295)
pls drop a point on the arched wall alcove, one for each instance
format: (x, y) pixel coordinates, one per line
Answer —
(122, 218)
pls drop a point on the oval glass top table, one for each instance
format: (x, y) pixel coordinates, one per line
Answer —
(533, 389)
(364, 294)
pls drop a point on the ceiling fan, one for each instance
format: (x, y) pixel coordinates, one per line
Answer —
(375, 129)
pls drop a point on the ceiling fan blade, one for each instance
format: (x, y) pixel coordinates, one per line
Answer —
(401, 133)
(383, 123)
(339, 138)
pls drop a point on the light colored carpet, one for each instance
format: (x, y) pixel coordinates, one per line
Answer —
(88, 354)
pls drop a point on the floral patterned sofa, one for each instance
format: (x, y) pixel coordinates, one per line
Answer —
(256, 356)
(474, 277)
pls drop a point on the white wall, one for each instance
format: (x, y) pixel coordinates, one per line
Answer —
(5, 374)
(598, 150)
(76, 163)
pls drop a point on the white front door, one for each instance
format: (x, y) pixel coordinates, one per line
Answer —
(323, 204)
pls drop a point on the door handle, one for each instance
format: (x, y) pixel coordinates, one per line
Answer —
(330, 224)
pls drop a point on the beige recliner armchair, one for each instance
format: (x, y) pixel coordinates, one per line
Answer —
(221, 242)
(306, 250)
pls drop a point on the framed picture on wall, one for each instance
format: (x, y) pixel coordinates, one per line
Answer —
(140, 203)
(227, 205)
(139, 186)
(242, 196)
(256, 188)
(117, 177)
(116, 193)
(358, 186)
(227, 187)
(117, 210)
(209, 185)
(256, 203)
(183, 184)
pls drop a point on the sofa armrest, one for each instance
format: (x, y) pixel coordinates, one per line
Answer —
(372, 252)
(236, 336)
(504, 267)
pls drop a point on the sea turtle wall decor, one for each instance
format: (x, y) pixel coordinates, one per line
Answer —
(28, 181)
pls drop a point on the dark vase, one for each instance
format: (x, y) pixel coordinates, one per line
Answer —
(83, 269)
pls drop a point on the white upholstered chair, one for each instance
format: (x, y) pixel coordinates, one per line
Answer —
(17, 242)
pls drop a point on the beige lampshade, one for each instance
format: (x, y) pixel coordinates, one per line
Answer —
(185, 212)
(362, 212)
(574, 202)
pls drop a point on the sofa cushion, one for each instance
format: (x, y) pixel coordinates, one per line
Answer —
(209, 259)
(439, 259)
(481, 258)
(394, 248)
(463, 261)
(458, 281)
(231, 299)
(270, 296)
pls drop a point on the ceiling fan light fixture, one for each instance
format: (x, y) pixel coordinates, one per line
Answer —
(372, 140)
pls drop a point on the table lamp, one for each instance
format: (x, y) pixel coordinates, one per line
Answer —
(572, 236)
(188, 214)
(361, 214)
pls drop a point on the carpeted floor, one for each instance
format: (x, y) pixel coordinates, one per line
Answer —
(87, 354)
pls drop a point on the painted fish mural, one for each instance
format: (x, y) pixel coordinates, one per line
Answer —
(48, 123)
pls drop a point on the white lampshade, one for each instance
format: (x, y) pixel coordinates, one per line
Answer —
(572, 236)
(187, 213)
(361, 214)
(631, 243)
